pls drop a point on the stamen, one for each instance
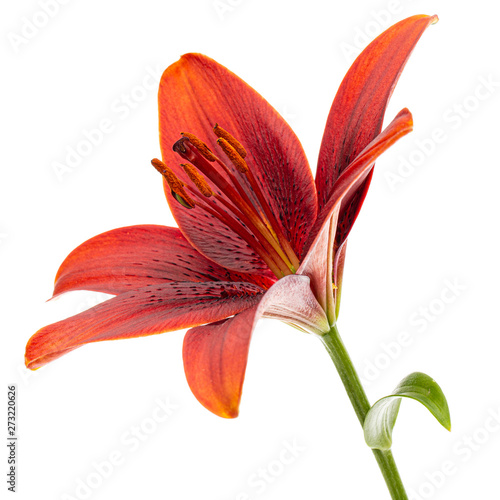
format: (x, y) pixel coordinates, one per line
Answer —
(246, 211)
(263, 225)
(200, 146)
(176, 186)
(197, 179)
(186, 150)
(233, 155)
(220, 132)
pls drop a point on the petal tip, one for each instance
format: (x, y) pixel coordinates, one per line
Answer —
(219, 408)
(29, 360)
(29, 357)
(230, 413)
(30, 366)
(407, 116)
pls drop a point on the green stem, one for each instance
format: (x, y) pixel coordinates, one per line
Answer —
(361, 405)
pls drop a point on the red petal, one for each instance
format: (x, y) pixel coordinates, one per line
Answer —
(195, 94)
(132, 257)
(215, 355)
(146, 311)
(358, 110)
(215, 240)
(346, 186)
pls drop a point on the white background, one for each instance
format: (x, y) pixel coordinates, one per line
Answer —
(439, 223)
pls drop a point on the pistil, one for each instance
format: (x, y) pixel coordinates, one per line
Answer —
(200, 146)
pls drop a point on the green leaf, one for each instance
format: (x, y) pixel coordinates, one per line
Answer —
(381, 417)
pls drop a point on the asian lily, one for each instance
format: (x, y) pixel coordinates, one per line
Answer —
(257, 237)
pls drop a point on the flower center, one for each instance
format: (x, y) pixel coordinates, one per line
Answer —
(229, 191)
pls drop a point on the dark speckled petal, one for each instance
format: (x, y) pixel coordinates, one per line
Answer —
(147, 311)
(196, 93)
(132, 257)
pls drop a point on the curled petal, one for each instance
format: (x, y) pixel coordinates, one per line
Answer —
(346, 186)
(357, 112)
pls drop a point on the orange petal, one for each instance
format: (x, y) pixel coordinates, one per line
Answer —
(196, 93)
(215, 355)
(215, 360)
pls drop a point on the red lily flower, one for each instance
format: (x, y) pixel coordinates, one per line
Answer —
(257, 235)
